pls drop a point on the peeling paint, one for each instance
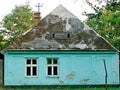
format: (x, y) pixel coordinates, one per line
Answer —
(61, 82)
(52, 19)
(76, 24)
(11, 74)
(67, 26)
(114, 73)
(70, 76)
(84, 81)
(82, 45)
(39, 43)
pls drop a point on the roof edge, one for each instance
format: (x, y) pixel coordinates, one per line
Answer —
(62, 50)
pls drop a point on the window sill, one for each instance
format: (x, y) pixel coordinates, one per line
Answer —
(31, 76)
(52, 76)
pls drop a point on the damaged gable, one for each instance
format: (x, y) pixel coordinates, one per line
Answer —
(61, 30)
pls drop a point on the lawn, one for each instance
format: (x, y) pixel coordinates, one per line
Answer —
(61, 88)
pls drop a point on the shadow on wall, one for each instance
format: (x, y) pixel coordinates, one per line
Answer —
(1, 69)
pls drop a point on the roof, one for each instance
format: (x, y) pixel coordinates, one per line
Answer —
(61, 30)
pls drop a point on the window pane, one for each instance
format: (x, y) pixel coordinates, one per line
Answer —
(28, 61)
(49, 61)
(49, 71)
(28, 71)
(34, 73)
(34, 61)
(55, 70)
(55, 61)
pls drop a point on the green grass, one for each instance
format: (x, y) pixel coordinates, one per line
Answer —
(61, 88)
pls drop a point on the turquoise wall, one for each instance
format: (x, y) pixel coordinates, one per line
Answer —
(75, 67)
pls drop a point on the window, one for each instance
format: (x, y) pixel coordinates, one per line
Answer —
(31, 68)
(53, 35)
(60, 35)
(52, 67)
(68, 35)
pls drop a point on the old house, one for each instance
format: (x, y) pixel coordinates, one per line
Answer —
(61, 50)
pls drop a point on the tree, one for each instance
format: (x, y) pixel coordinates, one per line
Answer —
(3, 42)
(107, 22)
(16, 23)
(19, 20)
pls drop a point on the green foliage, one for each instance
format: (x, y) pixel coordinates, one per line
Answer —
(113, 6)
(18, 21)
(3, 42)
(107, 23)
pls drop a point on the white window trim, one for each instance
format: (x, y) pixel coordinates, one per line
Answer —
(52, 65)
(31, 66)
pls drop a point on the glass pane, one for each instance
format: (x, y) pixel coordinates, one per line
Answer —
(34, 73)
(55, 61)
(49, 61)
(55, 70)
(49, 72)
(28, 71)
(34, 61)
(28, 61)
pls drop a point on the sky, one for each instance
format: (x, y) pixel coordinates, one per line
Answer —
(77, 7)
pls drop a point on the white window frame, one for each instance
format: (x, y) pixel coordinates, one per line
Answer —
(52, 66)
(31, 67)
